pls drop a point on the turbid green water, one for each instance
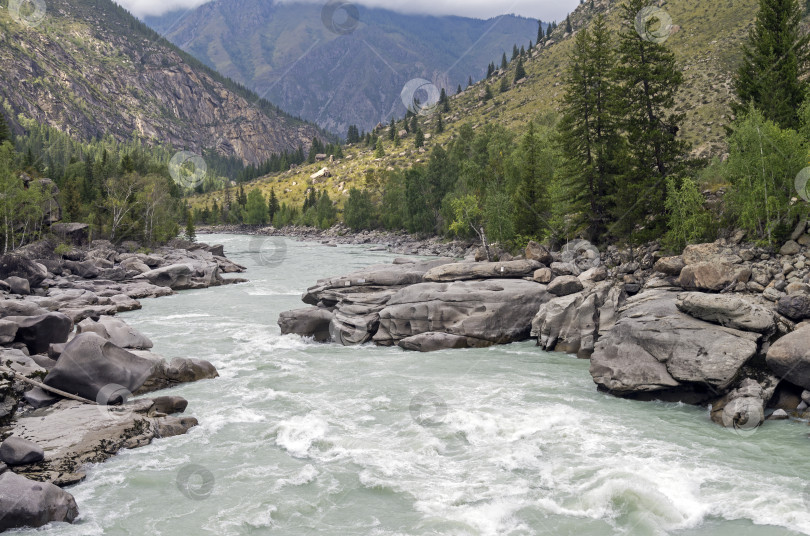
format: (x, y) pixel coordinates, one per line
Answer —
(301, 438)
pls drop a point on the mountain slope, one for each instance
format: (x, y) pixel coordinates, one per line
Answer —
(707, 47)
(286, 52)
(91, 69)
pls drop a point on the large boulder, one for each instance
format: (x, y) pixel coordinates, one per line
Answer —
(727, 310)
(21, 266)
(795, 307)
(116, 331)
(170, 373)
(494, 310)
(656, 351)
(39, 332)
(84, 269)
(18, 285)
(18, 451)
(382, 275)
(310, 322)
(573, 323)
(461, 271)
(26, 503)
(671, 266)
(789, 357)
(565, 285)
(75, 233)
(175, 276)
(539, 253)
(89, 364)
(713, 276)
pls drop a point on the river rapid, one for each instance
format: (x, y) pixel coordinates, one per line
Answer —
(301, 438)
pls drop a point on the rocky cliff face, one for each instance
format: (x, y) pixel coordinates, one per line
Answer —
(91, 69)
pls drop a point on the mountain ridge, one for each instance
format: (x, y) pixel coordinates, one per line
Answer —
(91, 69)
(350, 77)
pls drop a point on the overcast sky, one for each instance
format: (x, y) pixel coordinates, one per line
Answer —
(538, 9)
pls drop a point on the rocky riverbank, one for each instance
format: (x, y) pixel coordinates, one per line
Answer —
(723, 324)
(399, 242)
(68, 368)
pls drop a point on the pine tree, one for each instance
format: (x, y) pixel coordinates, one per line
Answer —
(191, 231)
(439, 124)
(5, 132)
(568, 28)
(469, 81)
(419, 139)
(648, 82)
(444, 100)
(487, 93)
(520, 72)
(775, 62)
(490, 70)
(504, 87)
(504, 62)
(379, 151)
(522, 52)
(272, 205)
(515, 52)
(541, 34)
(392, 130)
(458, 90)
(588, 131)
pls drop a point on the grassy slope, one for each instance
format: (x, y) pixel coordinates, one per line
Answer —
(707, 47)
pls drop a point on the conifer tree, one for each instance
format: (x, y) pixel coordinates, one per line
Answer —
(392, 130)
(504, 85)
(776, 58)
(541, 34)
(589, 132)
(272, 205)
(648, 82)
(439, 125)
(419, 138)
(379, 151)
(520, 72)
(5, 132)
(458, 89)
(568, 28)
(515, 52)
(469, 81)
(504, 62)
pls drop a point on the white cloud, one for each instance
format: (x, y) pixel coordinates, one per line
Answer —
(538, 9)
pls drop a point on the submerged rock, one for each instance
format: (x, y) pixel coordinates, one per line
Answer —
(311, 322)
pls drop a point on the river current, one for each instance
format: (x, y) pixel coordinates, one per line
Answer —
(301, 438)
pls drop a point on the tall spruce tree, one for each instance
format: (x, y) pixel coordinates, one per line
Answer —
(541, 34)
(5, 132)
(775, 62)
(589, 136)
(648, 81)
(520, 72)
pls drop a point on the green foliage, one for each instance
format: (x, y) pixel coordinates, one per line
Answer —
(648, 80)
(379, 150)
(21, 208)
(191, 232)
(5, 131)
(775, 63)
(255, 209)
(358, 213)
(62, 249)
(762, 165)
(687, 219)
(419, 139)
(589, 131)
